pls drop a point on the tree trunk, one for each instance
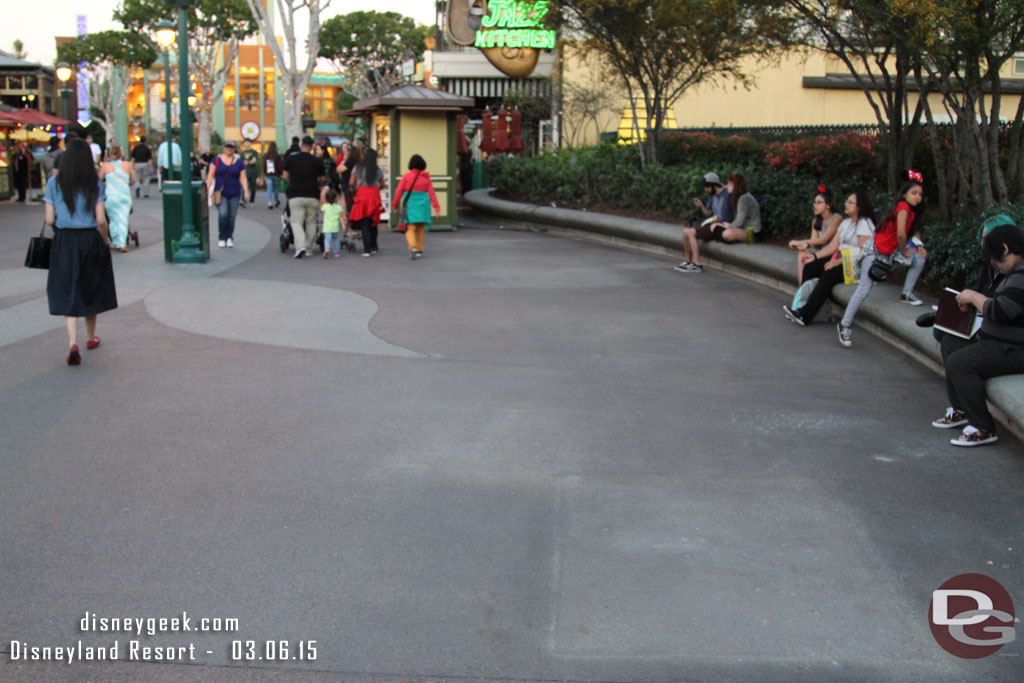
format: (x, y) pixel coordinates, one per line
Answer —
(203, 116)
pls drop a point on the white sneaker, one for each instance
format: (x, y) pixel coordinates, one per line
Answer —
(231, 243)
(300, 253)
(910, 299)
(972, 436)
(221, 243)
(845, 335)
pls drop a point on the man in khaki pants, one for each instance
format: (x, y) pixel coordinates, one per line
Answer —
(303, 172)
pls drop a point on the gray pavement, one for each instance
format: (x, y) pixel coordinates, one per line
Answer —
(522, 457)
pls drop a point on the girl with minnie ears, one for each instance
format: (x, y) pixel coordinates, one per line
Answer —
(894, 239)
(823, 229)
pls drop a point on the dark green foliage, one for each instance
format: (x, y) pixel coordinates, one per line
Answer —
(954, 254)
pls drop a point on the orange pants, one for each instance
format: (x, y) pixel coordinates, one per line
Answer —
(414, 233)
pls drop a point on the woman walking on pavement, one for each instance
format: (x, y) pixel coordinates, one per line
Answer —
(366, 204)
(227, 175)
(416, 192)
(80, 282)
(272, 172)
(118, 177)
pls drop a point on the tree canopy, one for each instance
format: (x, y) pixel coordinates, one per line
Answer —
(370, 47)
(660, 48)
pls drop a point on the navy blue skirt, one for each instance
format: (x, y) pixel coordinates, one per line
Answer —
(81, 278)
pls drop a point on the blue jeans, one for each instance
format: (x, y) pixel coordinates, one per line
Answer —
(332, 242)
(273, 190)
(226, 212)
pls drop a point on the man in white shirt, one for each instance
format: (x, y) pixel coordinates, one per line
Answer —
(161, 160)
(97, 153)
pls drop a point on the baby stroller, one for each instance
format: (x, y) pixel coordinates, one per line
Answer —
(288, 237)
(350, 238)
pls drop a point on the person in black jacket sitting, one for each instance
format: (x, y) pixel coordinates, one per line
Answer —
(999, 349)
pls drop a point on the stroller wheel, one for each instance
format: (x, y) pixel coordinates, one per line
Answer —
(135, 238)
(284, 243)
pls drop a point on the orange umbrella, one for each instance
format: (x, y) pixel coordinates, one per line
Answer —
(515, 124)
(461, 143)
(500, 132)
(486, 133)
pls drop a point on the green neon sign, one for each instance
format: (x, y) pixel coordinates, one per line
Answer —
(515, 23)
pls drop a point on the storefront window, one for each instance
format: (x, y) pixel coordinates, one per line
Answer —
(31, 82)
(15, 82)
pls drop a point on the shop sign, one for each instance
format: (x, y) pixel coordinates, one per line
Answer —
(512, 23)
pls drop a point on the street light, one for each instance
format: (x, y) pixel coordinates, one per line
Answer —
(189, 248)
(166, 35)
(64, 75)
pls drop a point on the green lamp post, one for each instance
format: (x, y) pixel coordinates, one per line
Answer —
(189, 248)
(64, 75)
(166, 35)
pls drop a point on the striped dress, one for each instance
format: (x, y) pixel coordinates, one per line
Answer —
(119, 204)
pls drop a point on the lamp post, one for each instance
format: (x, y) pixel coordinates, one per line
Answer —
(189, 248)
(64, 75)
(166, 35)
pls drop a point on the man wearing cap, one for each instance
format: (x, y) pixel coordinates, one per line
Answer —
(304, 173)
(718, 208)
(719, 204)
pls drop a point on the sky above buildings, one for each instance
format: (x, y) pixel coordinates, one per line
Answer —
(36, 25)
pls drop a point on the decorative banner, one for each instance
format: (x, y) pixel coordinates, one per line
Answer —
(83, 77)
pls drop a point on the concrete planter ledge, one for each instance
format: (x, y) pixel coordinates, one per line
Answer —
(882, 314)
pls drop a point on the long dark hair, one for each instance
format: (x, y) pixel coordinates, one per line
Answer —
(367, 163)
(914, 210)
(826, 194)
(78, 175)
(271, 152)
(865, 209)
(739, 188)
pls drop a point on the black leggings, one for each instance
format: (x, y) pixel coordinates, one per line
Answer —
(369, 232)
(827, 279)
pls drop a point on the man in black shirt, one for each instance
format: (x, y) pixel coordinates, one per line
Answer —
(142, 157)
(304, 173)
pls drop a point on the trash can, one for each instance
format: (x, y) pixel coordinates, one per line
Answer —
(173, 217)
(479, 174)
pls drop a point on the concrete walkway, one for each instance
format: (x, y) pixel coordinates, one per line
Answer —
(522, 457)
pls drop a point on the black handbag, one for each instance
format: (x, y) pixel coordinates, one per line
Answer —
(882, 267)
(38, 254)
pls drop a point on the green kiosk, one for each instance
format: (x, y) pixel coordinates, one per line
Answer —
(415, 119)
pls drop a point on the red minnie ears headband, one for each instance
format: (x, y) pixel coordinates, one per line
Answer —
(915, 176)
(822, 189)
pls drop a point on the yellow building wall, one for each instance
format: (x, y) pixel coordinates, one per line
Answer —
(777, 98)
(424, 133)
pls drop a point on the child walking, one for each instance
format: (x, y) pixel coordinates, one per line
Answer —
(333, 208)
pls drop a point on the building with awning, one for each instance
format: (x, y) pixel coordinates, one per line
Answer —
(414, 119)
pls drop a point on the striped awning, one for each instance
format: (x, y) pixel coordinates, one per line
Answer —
(496, 87)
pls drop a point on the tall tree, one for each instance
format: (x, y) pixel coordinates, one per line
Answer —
(293, 77)
(369, 48)
(968, 45)
(215, 28)
(19, 49)
(110, 57)
(878, 43)
(660, 48)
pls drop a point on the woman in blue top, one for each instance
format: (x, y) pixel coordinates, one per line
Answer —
(227, 174)
(81, 277)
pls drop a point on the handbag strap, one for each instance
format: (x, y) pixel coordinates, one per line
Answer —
(408, 193)
(43, 231)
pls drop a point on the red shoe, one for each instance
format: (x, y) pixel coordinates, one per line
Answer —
(93, 343)
(74, 357)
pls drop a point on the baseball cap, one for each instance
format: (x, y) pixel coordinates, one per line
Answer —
(712, 179)
(229, 143)
(994, 222)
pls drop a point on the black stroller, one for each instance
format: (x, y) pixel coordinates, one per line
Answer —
(288, 237)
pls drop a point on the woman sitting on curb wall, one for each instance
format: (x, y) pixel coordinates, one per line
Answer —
(747, 214)
(827, 266)
(823, 229)
(894, 241)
